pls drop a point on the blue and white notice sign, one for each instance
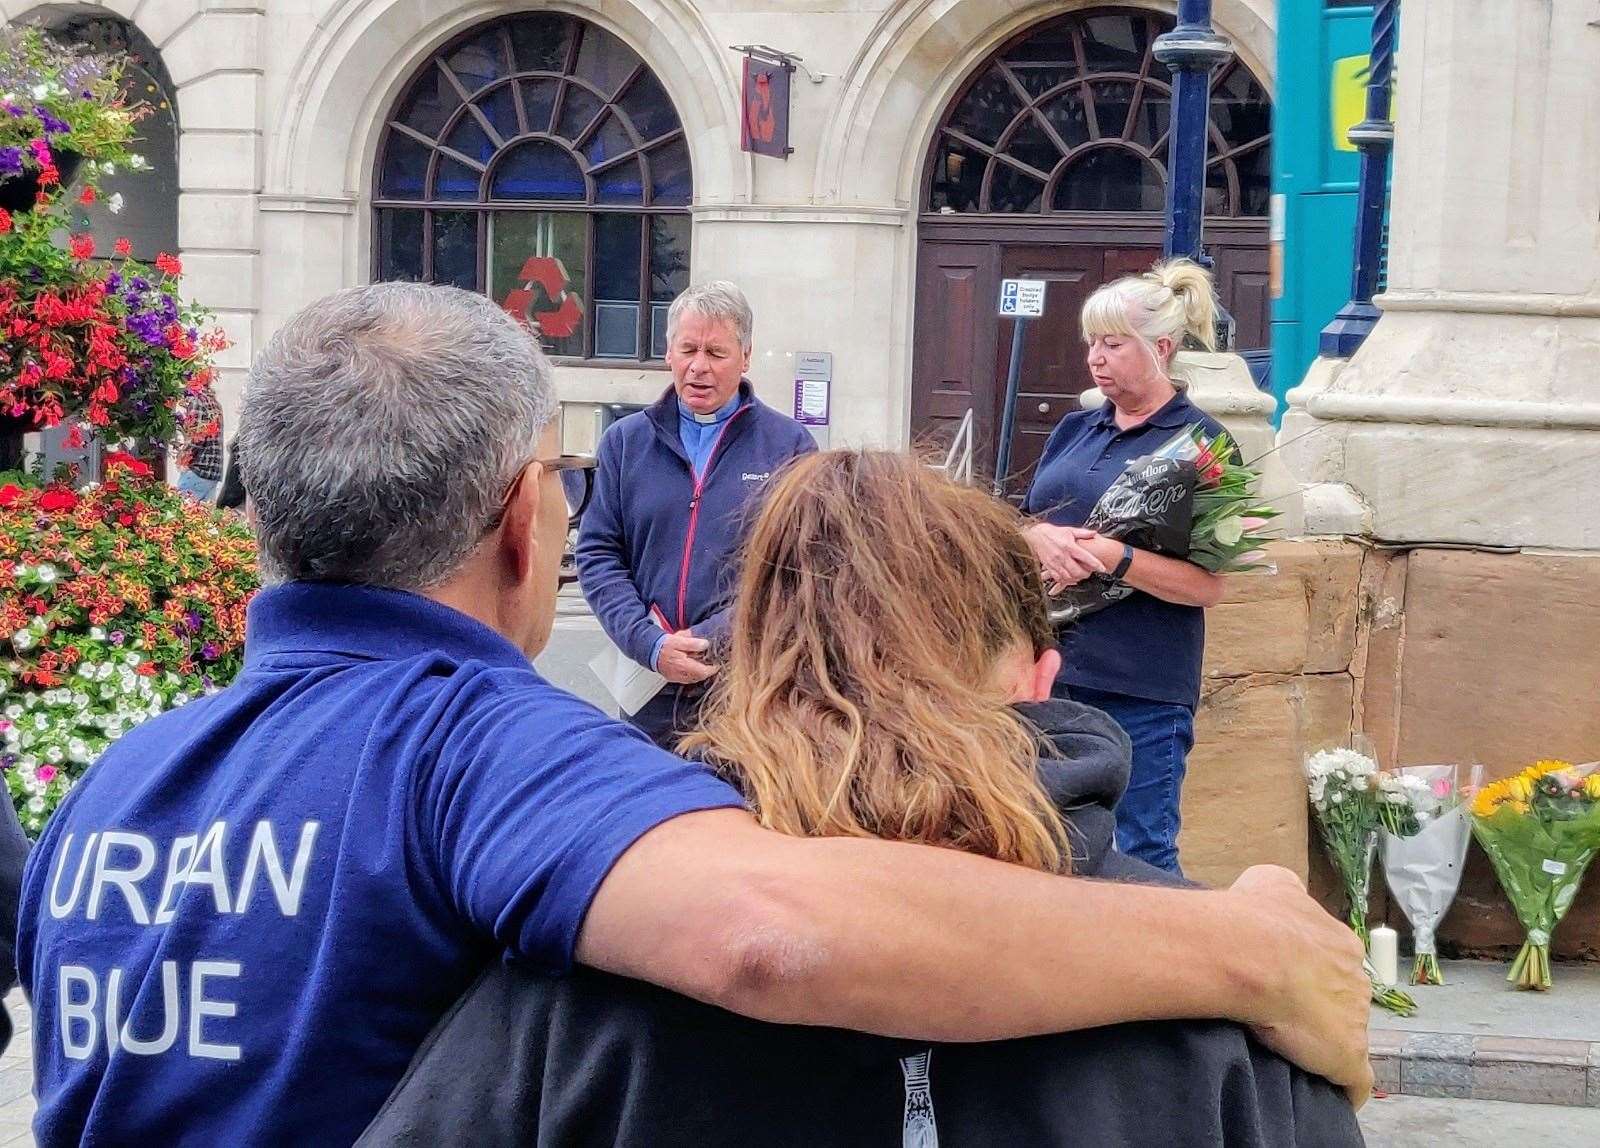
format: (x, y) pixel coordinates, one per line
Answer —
(1021, 298)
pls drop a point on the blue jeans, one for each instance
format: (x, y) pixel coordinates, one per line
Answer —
(191, 483)
(1162, 734)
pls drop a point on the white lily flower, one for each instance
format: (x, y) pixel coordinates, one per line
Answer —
(114, 204)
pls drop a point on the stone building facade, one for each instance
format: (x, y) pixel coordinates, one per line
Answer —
(285, 112)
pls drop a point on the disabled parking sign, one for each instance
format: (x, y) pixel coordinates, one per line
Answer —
(1021, 298)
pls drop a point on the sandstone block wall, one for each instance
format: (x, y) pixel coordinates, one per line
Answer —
(1438, 655)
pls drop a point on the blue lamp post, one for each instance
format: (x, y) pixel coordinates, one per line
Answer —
(1191, 51)
(1374, 136)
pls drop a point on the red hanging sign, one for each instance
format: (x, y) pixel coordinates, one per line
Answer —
(764, 127)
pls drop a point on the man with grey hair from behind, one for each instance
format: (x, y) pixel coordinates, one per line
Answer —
(253, 909)
(673, 488)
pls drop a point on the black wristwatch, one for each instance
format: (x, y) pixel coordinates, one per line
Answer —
(1122, 567)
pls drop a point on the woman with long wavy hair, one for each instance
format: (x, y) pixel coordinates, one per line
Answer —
(889, 676)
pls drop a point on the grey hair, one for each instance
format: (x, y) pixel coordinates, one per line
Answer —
(380, 429)
(718, 300)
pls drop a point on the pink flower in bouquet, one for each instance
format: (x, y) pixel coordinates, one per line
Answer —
(46, 773)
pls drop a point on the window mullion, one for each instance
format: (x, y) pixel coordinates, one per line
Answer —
(642, 347)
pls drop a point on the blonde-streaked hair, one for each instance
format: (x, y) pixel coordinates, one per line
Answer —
(1172, 300)
(860, 696)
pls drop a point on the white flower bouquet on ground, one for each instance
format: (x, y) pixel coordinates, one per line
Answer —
(1423, 834)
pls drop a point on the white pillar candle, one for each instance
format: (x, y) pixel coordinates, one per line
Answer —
(1385, 953)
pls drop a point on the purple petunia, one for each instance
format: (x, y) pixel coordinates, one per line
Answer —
(10, 160)
(52, 125)
(148, 327)
(117, 637)
(192, 621)
(209, 652)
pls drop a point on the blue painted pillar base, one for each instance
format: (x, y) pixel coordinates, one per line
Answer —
(1347, 330)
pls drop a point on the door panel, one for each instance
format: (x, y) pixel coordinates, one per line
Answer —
(955, 332)
(1053, 370)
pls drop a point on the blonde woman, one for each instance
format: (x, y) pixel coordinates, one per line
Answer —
(1139, 661)
(886, 619)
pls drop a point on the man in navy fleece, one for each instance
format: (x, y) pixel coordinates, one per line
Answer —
(672, 487)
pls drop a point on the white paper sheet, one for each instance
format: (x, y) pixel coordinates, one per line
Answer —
(626, 680)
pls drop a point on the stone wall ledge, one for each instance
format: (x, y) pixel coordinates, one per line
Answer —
(1442, 410)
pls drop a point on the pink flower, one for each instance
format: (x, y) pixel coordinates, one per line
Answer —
(1441, 787)
(46, 773)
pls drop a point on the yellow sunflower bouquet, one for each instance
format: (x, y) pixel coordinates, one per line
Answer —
(1540, 828)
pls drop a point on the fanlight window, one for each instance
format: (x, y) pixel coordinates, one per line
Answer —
(1074, 117)
(538, 159)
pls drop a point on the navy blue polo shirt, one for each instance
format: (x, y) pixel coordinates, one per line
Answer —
(1141, 647)
(246, 917)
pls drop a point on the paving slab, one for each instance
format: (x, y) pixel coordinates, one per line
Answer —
(1476, 1037)
(1422, 1122)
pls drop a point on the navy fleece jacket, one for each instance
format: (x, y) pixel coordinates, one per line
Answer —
(653, 536)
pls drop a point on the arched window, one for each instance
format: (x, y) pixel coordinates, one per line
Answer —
(537, 158)
(1073, 116)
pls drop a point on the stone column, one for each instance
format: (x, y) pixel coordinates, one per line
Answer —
(1472, 412)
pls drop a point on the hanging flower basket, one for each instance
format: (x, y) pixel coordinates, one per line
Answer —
(20, 191)
(107, 342)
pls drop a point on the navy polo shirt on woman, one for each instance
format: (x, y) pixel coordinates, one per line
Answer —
(1142, 646)
(247, 916)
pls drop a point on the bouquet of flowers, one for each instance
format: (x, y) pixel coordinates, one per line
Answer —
(1540, 828)
(1423, 834)
(1190, 499)
(1343, 785)
(116, 602)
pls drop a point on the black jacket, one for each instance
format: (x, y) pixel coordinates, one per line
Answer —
(597, 1061)
(14, 847)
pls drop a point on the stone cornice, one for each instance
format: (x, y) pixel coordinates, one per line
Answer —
(1446, 411)
(1492, 303)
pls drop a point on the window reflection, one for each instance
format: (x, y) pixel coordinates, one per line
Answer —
(560, 187)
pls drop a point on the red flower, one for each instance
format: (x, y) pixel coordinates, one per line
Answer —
(49, 176)
(10, 495)
(74, 439)
(5, 221)
(125, 520)
(57, 498)
(168, 264)
(148, 669)
(82, 246)
(87, 196)
(133, 465)
(123, 248)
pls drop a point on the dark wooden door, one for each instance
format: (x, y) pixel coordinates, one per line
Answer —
(1054, 367)
(953, 351)
(963, 348)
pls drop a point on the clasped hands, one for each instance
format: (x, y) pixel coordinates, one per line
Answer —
(1069, 554)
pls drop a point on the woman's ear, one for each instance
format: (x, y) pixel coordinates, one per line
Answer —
(1165, 348)
(1045, 668)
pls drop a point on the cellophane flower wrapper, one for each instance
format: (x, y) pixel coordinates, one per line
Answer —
(1540, 846)
(1422, 862)
(1191, 498)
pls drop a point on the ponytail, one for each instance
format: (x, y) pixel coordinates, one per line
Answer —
(1191, 285)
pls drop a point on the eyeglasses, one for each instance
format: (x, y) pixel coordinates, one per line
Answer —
(576, 473)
